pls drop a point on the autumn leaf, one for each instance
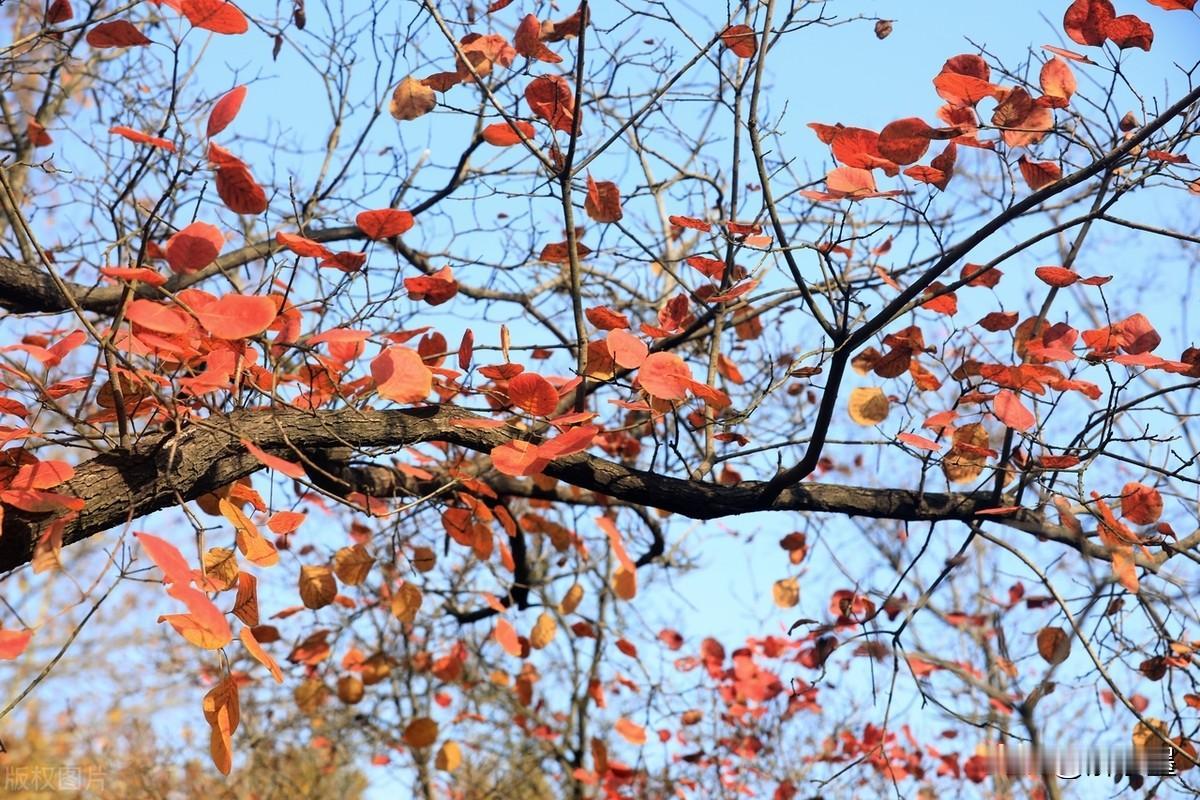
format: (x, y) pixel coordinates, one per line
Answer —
(401, 376)
(868, 405)
(217, 16)
(139, 137)
(421, 732)
(238, 316)
(449, 757)
(1141, 504)
(166, 557)
(1054, 645)
(740, 40)
(1086, 20)
(115, 33)
(665, 376)
(224, 111)
(502, 134)
(786, 592)
(384, 223)
(411, 99)
(1009, 410)
(630, 731)
(194, 247)
(550, 97)
(1039, 173)
(13, 643)
(532, 393)
(603, 202)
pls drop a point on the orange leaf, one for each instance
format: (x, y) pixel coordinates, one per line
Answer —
(156, 317)
(401, 375)
(13, 643)
(224, 111)
(302, 246)
(384, 223)
(1009, 410)
(905, 140)
(1039, 173)
(1141, 504)
(740, 40)
(238, 190)
(603, 202)
(434, 289)
(627, 350)
(501, 134)
(167, 558)
(506, 635)
(142, 138)
(631, 732)
(262, 656)
(519, 458)
(216, 16)
(1128, 30)
(289, 468)
(1086, 20)
(194, 247)
(533, 393)
(665, 376)
(238, 316)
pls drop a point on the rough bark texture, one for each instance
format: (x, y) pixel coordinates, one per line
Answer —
(163, 471)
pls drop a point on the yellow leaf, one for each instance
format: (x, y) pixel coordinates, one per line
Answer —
(209, 637)
(351, 564)
(411, 99)
(317, 586)
(221, 568)
(543, 631)
(449, 757)
(868, 405)
(571, 599)
(253, 546)
(786, 592)
(406, 601)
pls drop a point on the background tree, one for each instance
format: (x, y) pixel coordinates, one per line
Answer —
(439, 331)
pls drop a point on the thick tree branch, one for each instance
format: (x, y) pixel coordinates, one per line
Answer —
(208, 454)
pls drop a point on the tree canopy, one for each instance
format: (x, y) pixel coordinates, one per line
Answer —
(477, 344)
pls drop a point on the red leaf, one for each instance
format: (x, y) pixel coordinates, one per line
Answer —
(1128, 30)
(156, 317)
(194, 247)
(919, 442)
(1086, 20)
(533, 393)
(550, 97)
(142, 138)
(166, 557)
(224, 110)
(302, 246)
(1141, 504)
(13, 643)
(237, 316)
(519, 459)
(691, 222)
(501, 134)
(1009, 410)
(626, 349)
(401, 375)
(1056, 276)
(1174, 5)
(239, 191)
(59, 11)
(606, 319)
(603, 202)
(905, 140)
(117, 33)
(434, 289)
(1039, 173)
(215, 15)
(289, 468)
(527, 40)
(859, 147)
(850, 181)
(576, 440)
(143, 274)
(740, 40)
(384, 223)
(665, 376)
